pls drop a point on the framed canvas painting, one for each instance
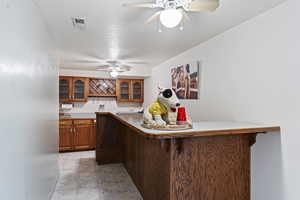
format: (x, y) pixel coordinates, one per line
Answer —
(185, 80)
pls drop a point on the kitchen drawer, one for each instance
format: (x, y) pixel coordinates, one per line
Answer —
(65, 122)
(82, 121)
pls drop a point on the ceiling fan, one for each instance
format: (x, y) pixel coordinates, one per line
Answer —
(92, 62)
(174, 12)
(114, 68)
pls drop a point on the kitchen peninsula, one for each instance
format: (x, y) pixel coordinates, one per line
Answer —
(209, 162)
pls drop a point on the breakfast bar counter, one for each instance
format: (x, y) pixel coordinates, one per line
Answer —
(211, 161)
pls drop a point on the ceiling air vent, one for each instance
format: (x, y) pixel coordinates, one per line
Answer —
(79, 23)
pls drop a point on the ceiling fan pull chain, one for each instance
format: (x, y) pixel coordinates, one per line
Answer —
(181, 27)
(159, 26)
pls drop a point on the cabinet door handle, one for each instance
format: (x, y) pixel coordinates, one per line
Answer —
(71, 130)
(75, 134)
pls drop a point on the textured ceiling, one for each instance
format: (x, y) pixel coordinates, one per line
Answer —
(115, 32)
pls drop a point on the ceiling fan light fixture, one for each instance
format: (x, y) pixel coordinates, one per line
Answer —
(170, 18)
(114, 74)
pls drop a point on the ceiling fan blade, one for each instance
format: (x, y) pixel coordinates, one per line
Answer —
(109, 70)
(126, 66)
(203, 5)
(140, 5)
(105, 68)
(153, 17)
(122, 69)
(84, 61)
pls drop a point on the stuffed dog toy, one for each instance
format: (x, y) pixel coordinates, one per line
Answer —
(163, 111)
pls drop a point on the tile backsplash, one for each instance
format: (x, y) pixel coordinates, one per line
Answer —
(95, 104)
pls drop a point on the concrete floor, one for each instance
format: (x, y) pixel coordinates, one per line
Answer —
(82, 179)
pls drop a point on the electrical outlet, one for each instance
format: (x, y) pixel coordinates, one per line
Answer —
(79, 23)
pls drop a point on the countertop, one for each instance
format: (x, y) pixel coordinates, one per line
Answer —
(78, 116)
(202, 128)
(88, 115)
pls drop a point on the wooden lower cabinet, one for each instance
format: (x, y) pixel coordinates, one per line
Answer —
(65, 135)
(76, 135)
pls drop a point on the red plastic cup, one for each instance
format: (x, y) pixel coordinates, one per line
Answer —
(181, 116)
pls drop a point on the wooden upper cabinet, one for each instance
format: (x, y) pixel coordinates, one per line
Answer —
(130, 90)
(80, 89)
(123, 90)
(73, 89)
(65, 89)
(102, 87)
(137, 90)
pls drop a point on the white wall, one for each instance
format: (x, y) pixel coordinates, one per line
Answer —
(29, 104)
(246, 76)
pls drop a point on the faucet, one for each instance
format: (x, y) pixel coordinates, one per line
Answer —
(101, 107)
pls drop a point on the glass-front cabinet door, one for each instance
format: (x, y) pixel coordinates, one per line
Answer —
(137, 90)
(123, 90)
(65, 89)
(80, 89)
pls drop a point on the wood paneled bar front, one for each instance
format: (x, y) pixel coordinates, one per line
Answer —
(209, 162)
